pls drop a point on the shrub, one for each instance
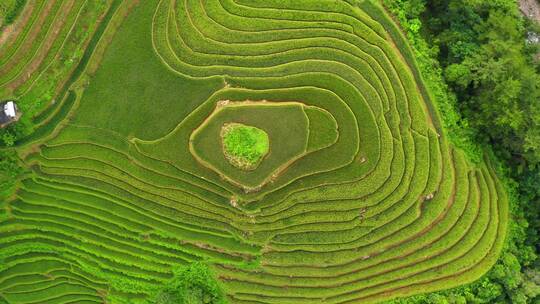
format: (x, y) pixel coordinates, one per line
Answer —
(10, 170)
(243, 145)
(192, 284)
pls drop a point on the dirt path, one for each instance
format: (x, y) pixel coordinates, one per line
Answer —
(531, 9)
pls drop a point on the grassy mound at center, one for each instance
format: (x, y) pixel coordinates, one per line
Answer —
(244, 146)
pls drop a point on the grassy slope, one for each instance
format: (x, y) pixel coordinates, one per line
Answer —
(323, 129)
(132, 93)
(9, 10)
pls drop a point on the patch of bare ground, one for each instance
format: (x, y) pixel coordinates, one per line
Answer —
(531, 9)
(6, 32)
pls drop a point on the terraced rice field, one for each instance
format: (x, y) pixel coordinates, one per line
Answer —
(383, 206)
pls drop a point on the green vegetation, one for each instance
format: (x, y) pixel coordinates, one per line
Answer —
(10, 171)
(244, 146)
(323, 129)
(289, 141)
(477, 59)
(119, 191)
(193, 284)
(9, 10)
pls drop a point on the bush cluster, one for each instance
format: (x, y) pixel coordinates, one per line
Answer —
(192, 284)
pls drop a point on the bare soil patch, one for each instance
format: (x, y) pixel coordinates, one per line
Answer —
(531, 9)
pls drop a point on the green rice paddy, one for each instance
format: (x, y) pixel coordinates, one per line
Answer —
(360, 198)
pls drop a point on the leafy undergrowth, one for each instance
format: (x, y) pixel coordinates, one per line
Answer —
(244, 146)
(192, 284)
(116, 200)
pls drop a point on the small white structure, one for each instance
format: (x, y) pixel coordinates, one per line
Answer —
(10, 110)
(9, 113)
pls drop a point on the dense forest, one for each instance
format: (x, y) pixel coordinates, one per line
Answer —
(483, 69)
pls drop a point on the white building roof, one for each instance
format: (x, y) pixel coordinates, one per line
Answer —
(9, 109)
